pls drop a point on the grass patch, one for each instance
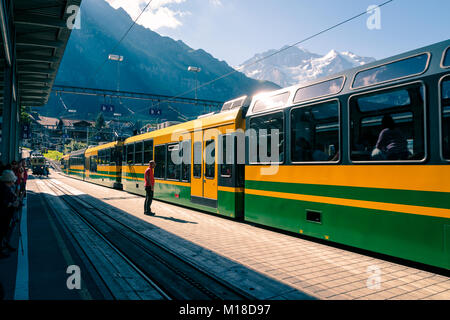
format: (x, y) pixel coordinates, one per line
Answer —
(53, 154)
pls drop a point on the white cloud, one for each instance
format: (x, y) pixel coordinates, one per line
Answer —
(217, 3)
(157, 15)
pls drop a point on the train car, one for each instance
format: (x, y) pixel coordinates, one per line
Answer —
(205, 185)
(339, 176)
(317, 160)
(38, 164)
(76, 164)
(103, 164)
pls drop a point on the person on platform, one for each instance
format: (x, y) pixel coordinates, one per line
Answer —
(149, 188)
(16, 169)
(23, 184)
(9, 204)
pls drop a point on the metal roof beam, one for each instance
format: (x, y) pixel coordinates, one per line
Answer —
(35, 58)
(31, 87)
(6, 33)
(21, 41)
(32, 90)
(24, 69)
(32, 97)
(40, 21)
(35, 80)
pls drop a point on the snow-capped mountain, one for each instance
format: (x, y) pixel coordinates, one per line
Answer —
(296, 65)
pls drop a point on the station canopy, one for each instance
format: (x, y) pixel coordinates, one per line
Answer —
(35, 34)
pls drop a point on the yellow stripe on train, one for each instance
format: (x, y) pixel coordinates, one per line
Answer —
(425, 211)
(402, 177)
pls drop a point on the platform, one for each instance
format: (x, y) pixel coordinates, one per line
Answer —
(264, 263)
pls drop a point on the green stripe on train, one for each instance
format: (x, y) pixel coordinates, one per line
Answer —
(407, 197)
(409, 236)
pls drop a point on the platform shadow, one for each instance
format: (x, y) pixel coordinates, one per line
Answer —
(174, 219)
(257, 285)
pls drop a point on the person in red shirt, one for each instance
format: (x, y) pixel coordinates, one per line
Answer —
(149, 188)
(18, 171)
(23, 183)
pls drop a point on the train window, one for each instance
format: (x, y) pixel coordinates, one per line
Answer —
(267, 128)
(445, 107)
(226, 106)
(112, 156)
(271, 102)
(138, 152)
(384, 101)
(93, 164)
(210, 159)
(321, 89)
(315, 133)
(446, 60)
(391, 71)
(197, 160)
(186, 164)
(226, 160)
(392, 128)
(173, 169)
(103, 157)
(130, 153)
(160, 159)
(238, 103)
(148, 151)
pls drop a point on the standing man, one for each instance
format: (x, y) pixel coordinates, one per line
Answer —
(149, 188)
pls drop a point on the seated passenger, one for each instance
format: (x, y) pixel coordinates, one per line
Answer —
(302, 150)
(319, 154)
(391, 141)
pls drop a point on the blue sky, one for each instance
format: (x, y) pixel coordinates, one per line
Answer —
(234, 30)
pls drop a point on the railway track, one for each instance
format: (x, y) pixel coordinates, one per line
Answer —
(174, 277)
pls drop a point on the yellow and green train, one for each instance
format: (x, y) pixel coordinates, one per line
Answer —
(318, 160)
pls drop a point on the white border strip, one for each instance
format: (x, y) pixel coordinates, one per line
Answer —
(21, 290)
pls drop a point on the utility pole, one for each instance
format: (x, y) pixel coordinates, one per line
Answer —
(118, 58)
(196, 70)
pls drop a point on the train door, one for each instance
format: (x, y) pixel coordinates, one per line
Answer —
(197, 165)
(209, 167)
(87, 166)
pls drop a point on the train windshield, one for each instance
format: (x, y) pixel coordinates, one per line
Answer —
(272, 102)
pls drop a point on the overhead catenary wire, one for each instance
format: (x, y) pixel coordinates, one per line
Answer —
(278, 51)
(117, 44)
(242, 66)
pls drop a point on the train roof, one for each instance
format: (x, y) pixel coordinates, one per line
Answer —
(37, 155)
(428, 60)
(218, 119)
(78, 152)
(102, 146)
